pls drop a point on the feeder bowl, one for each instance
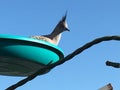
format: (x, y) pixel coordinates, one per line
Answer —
(22, 56)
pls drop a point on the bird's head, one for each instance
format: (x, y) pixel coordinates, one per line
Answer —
(63, 24)
(60, 27)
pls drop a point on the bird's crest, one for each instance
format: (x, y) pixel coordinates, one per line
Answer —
(64, 17)
(64, 23)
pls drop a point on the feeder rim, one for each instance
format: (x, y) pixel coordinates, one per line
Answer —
(32, 41)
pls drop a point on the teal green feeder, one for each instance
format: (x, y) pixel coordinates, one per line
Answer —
(22, 56)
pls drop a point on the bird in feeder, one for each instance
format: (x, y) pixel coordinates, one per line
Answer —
(16, 52)
(55, 36)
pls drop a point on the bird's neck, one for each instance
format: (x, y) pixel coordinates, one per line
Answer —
(56, 34)
(56, 31)
(55, 37)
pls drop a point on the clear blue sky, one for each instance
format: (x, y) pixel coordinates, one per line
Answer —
(87, 20)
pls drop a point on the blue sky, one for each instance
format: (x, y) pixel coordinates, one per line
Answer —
(87, 20)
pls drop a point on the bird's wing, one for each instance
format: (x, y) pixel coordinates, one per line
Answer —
(44, 39)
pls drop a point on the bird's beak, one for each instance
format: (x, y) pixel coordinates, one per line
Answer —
(67, 29)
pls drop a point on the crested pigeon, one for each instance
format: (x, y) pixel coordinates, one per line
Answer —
(55, 36)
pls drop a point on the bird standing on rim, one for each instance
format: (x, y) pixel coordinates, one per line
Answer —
(55, 36)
